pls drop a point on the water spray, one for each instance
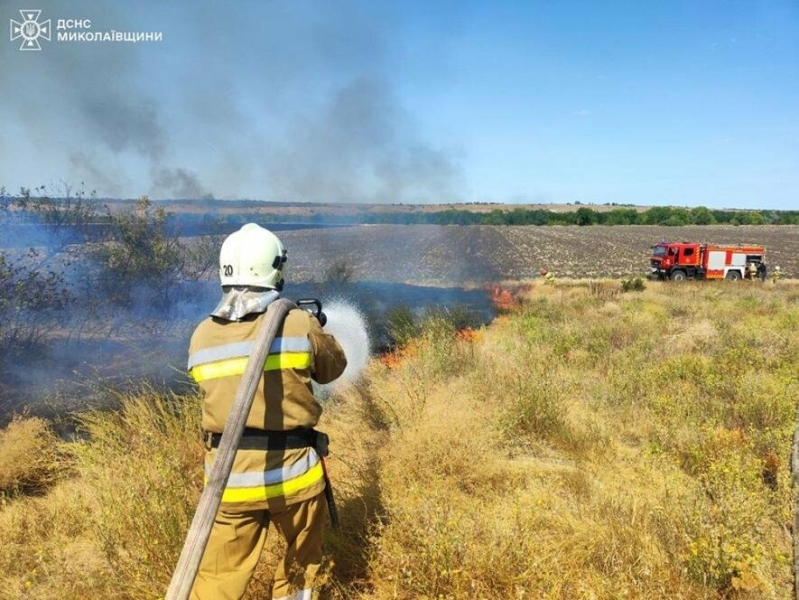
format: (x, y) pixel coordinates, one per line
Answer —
(347, 324)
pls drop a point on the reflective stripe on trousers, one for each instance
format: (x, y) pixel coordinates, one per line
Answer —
(260, 486)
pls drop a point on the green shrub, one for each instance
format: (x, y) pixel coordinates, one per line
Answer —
(402, 325)
(633, 284)
(143, 253)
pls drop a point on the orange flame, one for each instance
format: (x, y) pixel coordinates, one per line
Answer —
(468, 335)
(395, 358)
(502, 299)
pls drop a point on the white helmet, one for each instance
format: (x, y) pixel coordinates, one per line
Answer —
(252, 256)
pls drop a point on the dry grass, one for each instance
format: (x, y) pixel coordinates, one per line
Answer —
(591, 444)
(30, 457)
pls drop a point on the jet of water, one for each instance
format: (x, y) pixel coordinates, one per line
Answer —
(348, 325)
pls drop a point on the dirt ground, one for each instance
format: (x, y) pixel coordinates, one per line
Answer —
(477, 254)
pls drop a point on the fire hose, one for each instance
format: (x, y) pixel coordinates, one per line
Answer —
(200, 529)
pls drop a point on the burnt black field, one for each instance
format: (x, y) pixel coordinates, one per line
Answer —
(420, 268)
(66, 373)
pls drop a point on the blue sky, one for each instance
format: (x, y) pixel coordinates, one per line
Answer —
(688, 103)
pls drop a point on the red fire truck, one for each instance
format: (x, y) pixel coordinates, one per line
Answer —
(685, 260)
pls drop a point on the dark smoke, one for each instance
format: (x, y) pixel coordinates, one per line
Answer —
(124, 123)
(179, 183)
(361, 147)
(275, 101)
(81, 108)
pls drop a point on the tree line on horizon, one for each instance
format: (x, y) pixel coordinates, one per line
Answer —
(208, 221)
(584, 216)
(581, 216)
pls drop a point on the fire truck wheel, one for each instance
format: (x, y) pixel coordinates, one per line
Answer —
(678, 276)
(733, 275)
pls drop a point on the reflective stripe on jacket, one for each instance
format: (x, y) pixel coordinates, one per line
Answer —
(231, 359)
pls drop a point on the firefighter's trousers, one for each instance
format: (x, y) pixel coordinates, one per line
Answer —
(235, 546)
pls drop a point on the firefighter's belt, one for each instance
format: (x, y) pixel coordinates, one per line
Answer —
(260, 439)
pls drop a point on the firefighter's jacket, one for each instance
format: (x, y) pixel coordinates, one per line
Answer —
(284, 400)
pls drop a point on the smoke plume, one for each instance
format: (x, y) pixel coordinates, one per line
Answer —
(179, 183)
(283, 101)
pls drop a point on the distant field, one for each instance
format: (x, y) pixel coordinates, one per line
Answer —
(222, 207)
(474, 255)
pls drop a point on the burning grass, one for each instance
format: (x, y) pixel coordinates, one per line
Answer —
(590, 443)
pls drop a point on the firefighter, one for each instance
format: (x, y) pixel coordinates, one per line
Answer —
(752, 269)
(762, 271)
(278, 473)
(775, 274)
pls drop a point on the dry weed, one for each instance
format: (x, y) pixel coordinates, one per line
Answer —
(32, 457)
(581, 447)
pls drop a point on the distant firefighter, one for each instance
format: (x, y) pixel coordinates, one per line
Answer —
(549, 278)
(762, 271)
(752, 269)
(776, 274)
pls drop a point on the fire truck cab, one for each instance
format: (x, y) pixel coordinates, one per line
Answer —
(685, 260)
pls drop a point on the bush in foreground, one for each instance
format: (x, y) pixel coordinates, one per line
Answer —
(31, 458)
